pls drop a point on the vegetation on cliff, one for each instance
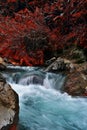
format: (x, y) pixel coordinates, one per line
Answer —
(31, 30)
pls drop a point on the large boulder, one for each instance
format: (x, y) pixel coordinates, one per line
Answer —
(9, 107)
(76, 81)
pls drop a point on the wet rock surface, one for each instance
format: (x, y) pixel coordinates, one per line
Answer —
(9, 106)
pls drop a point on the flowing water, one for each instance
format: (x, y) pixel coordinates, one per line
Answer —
(42, 105)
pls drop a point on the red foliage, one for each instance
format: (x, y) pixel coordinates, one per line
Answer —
(13, 127)
(63, 21)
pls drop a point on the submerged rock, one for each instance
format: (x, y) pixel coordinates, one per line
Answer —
(8, 105)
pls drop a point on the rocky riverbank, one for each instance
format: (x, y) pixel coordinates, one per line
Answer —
(9, 104)
(72, 62)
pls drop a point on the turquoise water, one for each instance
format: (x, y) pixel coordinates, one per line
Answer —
(44, 107)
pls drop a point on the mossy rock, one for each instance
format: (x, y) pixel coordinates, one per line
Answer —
(79, 56)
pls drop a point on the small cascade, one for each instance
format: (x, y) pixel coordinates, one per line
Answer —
(54, 81)
(31, 79)
(32, 75)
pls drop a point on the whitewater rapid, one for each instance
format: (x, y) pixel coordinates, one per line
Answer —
(43, 106)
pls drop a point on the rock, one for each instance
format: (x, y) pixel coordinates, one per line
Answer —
(76, 82)
(2, 64)
(78, 55)
(61, 64)
(58, 64)
(9, 107)
(48, 62)
(2, 61)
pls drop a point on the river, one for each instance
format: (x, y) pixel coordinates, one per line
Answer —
(43, 106)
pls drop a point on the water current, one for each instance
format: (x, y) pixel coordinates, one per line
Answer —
(43, 106)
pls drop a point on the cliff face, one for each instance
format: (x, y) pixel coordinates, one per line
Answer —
(32, 30)
(9, 106)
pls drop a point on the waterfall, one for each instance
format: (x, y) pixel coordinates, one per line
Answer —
(42, 105)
